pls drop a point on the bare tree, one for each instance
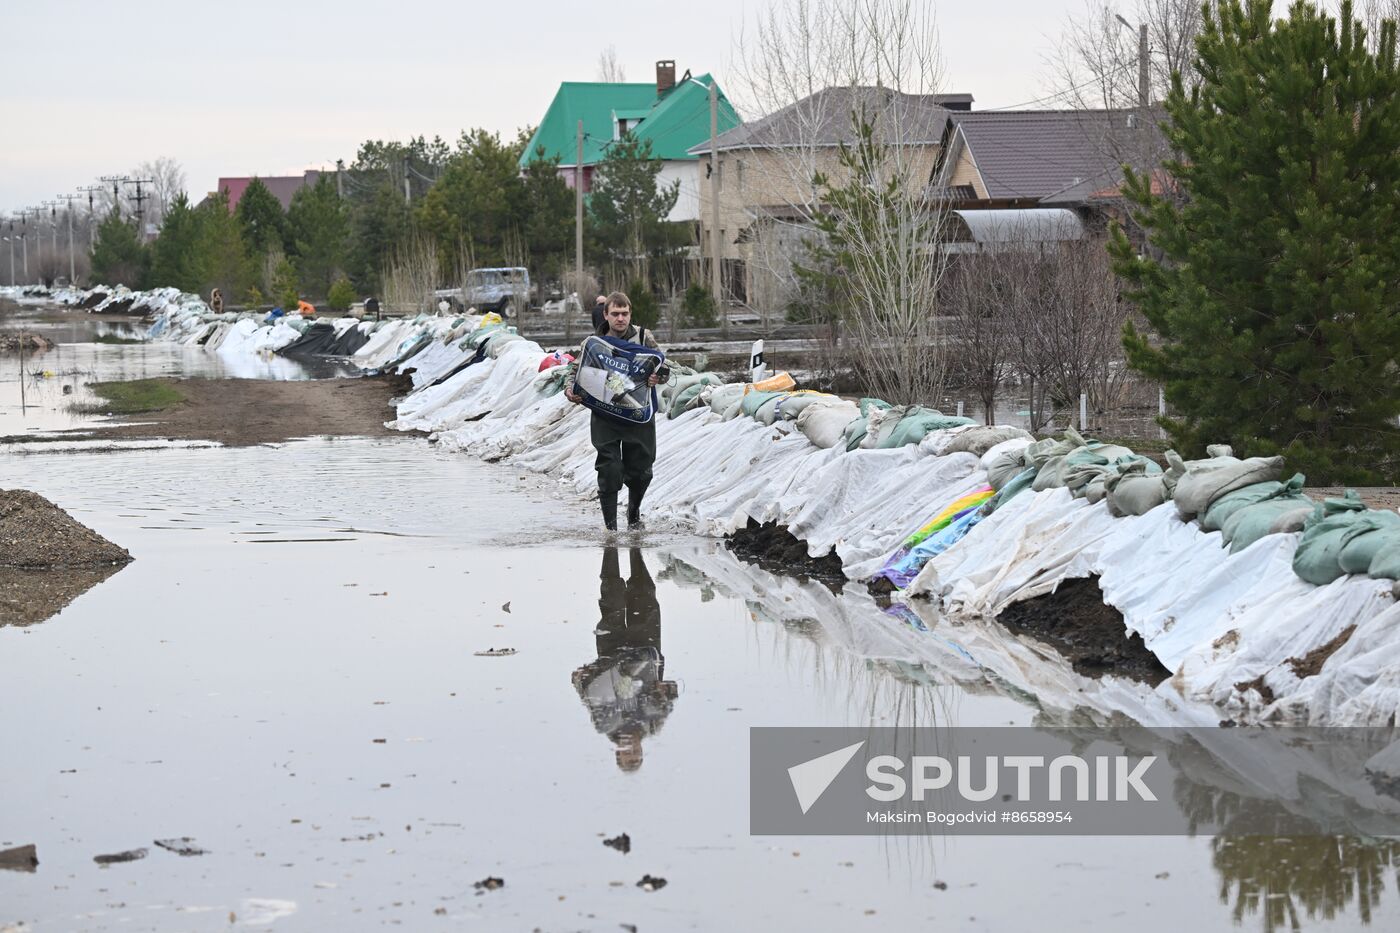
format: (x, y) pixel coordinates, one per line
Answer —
(410, 275)
(980, 296)
(845, 153)
(1095, 64)
(610, 70)
(167, 181)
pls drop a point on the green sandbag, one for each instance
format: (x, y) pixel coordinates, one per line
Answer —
(855, 432)
(917, 423)
(753, 401)
(1134, 492)
(1014, 487)
(1215, 517)
(1005, 467)
(1386, 562)
(687, 392)
(867, 405)
(1316, 558)
(1371, 532)
(1249, 523)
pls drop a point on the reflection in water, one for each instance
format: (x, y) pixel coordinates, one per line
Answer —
(31, 596)
(1274, 876)
(625, 690)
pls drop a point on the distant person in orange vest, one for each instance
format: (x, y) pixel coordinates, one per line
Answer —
(305, 308)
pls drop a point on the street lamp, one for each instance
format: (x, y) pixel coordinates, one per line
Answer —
(1142, 118)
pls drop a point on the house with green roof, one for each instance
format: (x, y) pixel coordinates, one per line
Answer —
(674, 116)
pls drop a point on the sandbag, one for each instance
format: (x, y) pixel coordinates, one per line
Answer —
(1227, 505)
(1372, 531)
(685, 394)
(1009, 490)
(1386, 562)
(1136, 491)
(791, 406)
(867, 405)
(724, 396)
(880, 423)
(1316, 559)
(778, 382)
(753, 401)
(1204, 481)
(824, 424)
(916, 423)
(981, 438)
(767, 413)
(856, 432)
(1273, 516)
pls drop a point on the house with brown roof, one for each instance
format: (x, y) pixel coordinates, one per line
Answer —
(281, 186)
(764, 172)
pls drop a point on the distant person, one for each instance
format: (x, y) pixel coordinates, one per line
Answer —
(626, 449)
(372, 307)
(216, 301)
(600, 314)
(625, 689)
(305, 308)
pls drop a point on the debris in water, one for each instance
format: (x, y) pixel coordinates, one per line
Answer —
(182, 846)
(621, 842)
(22, 858)
(130, 855)
(651, 883)
(489, 884)
(505, 607)
(495, 653)
(940, 885)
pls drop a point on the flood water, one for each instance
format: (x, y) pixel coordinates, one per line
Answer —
(56, 380)
(302, 672)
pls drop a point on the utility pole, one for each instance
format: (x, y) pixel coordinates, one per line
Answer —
(24, 239)
(72, 262)
(716, 281)
(116, 181)
(53, 229)
(578, 238)
(92, 215)
(1143, 127)
(340, 178)
(140, 200)
(11, 240)
(407, 194)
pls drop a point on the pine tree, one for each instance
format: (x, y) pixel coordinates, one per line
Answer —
(261, 218)
(627, 208)
(1272, 285)
(317, 232)
(119, 257)
(175, 258)
(222, 255)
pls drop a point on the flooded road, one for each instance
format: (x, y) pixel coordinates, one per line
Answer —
(364, 675)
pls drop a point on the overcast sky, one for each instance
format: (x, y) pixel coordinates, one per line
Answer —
(257, 87)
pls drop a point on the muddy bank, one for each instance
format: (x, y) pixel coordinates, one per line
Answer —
(1077, 622)
(775, 549)
(36, 534)
(245, 412)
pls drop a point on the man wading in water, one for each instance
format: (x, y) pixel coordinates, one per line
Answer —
(626, 451)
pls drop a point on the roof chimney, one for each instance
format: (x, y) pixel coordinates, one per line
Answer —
(665, 76)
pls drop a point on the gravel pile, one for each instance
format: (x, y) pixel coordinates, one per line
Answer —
(36, 534)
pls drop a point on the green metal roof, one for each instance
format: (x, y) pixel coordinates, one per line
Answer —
(674, 123)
